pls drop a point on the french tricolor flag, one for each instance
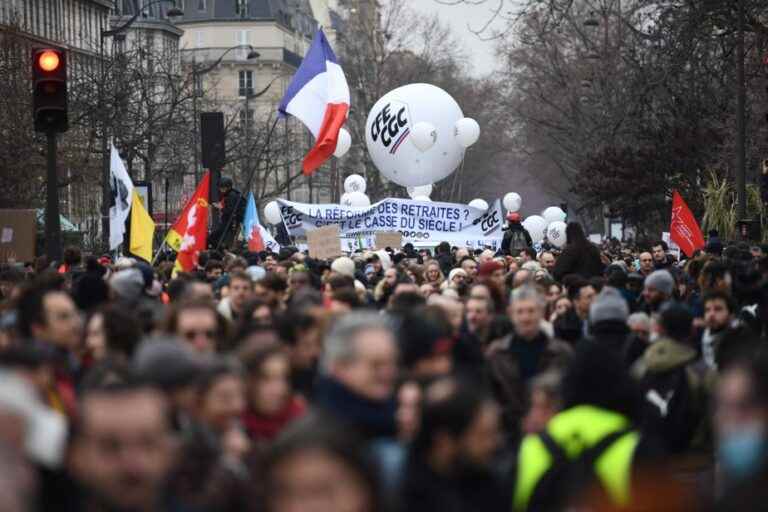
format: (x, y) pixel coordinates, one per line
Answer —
(319, 96)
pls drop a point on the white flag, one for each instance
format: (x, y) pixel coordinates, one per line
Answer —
(120, 204)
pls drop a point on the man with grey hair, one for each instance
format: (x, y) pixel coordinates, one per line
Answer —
(357, 374)
(517, 358)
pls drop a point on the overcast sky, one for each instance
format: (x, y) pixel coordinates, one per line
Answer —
(460, 18)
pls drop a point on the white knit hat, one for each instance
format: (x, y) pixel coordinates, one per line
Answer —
(344, 266)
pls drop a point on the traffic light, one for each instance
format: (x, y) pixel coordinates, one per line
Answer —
(49, 81)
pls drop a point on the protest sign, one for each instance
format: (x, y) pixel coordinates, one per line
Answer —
(17, 235)
(393, 239)
(324, 242)
(421, 223)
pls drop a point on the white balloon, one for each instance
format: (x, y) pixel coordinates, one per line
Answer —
(467, 131)
(423, 135)
(536, 225)
(357, 199)
(272, 213)
(554, 214)
(344, 199)
(480, 204)
(512, 202)
(423, 190)
(422, 198)
(354, 183)
(556, 233)
(343, 143)
(394, 118)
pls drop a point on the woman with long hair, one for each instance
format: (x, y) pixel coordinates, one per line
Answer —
(580, 256)
(433, 275)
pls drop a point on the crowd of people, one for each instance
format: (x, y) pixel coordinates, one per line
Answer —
(608, 377)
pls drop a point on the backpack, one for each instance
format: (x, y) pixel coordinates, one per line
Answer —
(673, 407)
(566, 481)
(517, 241)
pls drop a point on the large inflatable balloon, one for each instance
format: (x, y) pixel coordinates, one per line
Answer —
(556, 233)
(343, 143)
(535, 224)
(357, 199)
(512, 202)
(354, 183)
(480, 204)
(423, 190)
(417, 135)
(272, 213)
(424, 199)
(554, 214)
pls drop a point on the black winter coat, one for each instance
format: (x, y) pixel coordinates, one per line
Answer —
(578, 259)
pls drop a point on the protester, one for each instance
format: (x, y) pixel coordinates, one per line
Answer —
(271, 403)
(516, 359)
(516, 237)
(449, 464)
(579, 256)
(371, 381)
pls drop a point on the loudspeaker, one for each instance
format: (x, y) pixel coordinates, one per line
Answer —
(212, 140)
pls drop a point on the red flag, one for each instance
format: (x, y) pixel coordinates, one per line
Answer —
(255, 242)
(683, 228)
(189, 234)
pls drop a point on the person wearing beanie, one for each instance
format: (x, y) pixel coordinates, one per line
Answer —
(344, 266)
(425, 346)
(493, 271)
(659, 287)
(608, 320)
(171, 366)
(127, 285)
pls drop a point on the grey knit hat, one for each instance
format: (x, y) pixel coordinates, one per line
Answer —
(608, 306)
(127, 284)
(662, 281)
(166, 362)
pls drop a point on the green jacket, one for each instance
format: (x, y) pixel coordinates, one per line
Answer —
(588, 425)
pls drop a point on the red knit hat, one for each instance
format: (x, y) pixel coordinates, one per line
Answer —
(489, 267)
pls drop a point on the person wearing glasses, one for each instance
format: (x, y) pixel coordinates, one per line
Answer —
(199, 324)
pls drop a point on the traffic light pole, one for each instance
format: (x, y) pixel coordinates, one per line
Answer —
(52, 219)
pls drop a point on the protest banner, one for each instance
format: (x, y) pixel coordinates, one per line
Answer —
(324, 242)
(17, 235)
(420, 223)
(393, 239)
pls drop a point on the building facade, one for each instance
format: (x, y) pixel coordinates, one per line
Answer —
(218, 37)
(75, 25)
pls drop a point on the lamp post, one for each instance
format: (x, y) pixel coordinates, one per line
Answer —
(105, 153)
(196, 74)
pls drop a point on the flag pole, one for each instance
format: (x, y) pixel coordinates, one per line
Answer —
(159, 250)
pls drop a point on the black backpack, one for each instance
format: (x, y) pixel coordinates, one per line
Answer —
(566, 481)
(673, 407)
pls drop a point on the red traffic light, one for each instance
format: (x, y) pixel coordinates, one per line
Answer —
(48, 60)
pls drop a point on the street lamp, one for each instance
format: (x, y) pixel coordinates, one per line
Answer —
(116, 33)
(196, 74)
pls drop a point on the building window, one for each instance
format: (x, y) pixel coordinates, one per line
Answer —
(241, 9)
(200, 5)
(245, 83)
(242, 37)
(246, 118)
(199, 38)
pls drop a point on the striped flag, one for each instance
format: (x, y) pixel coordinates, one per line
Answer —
(318, 96)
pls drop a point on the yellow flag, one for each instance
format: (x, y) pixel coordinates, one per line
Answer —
(142, 229)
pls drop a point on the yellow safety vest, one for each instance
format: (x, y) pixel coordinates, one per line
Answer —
(612, 467)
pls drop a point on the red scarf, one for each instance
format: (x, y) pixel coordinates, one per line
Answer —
(265, 428)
